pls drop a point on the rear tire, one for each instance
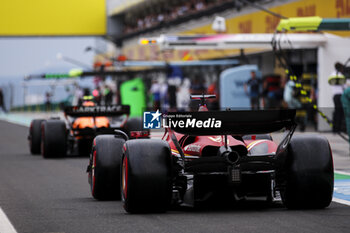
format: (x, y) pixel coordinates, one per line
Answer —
(105, 163)
(310, 175)
(146, 176)
(54, 139)
(35, 136)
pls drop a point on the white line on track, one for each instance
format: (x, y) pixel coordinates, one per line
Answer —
(341, 201)
(5, 224)
(341, 172)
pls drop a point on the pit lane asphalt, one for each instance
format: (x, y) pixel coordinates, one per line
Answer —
(52, 195)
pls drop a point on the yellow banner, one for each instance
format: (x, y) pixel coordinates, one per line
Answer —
(257, 22)
(52, 17)
(262, 22)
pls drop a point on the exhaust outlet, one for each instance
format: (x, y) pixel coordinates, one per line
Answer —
(230, 155)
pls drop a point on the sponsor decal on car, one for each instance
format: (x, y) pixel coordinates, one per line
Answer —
(193, 148)
(218, 139)
(152, 120)
(191, 123)
(92, 109)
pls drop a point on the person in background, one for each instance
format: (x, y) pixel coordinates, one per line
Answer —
(97, 95)
(172, 92)
(48, 101)
(289, 95)
(163, 91)
(2, 105)
(155, 91)
(174, 77)
(254, 92)
(213, 104)
(108, 94)
(272, 91)
(78, 95)
(338, 89)
(345, 99)
(183, 95)
(197, 88)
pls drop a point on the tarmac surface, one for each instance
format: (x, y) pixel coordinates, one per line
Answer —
(53, 195)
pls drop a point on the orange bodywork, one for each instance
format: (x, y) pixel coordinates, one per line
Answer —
(89, 122)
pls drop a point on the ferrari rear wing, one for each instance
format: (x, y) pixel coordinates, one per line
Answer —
(229, 122)
(93, 111)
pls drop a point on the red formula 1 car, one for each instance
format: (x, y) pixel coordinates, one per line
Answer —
(197, 162)
(56, 138)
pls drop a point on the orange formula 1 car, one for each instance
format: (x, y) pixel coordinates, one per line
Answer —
(56, 138)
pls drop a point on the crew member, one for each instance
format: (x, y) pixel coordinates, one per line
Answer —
(338, 89)
(2, 105)
(48, 101)
(345, 99)
(254, 91)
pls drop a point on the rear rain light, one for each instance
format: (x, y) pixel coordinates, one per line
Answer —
(139, 134)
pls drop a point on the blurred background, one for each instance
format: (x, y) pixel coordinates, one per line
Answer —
(53, 53)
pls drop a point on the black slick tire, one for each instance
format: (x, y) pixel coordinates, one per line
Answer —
(146, 176)
(53, 139)
(35, 136)
(310, 174)
(105, 163)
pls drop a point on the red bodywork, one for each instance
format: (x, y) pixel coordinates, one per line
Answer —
(193, 146)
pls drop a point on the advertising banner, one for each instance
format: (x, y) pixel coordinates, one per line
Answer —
(53, 18)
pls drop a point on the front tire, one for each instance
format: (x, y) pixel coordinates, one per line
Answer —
(146, 176)
(310, 174)
(105, 162)
(54, 139)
